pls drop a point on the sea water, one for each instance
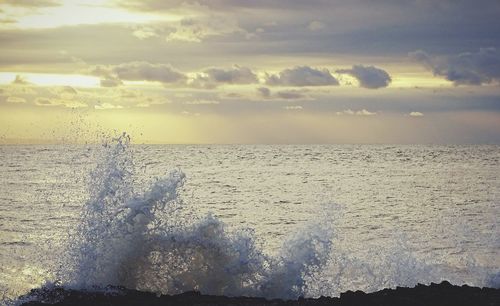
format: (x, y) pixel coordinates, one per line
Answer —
(257, 220)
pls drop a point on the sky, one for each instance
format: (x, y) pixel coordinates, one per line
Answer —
(222, 71)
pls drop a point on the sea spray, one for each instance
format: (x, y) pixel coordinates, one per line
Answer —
(137, 239)
(131, 239)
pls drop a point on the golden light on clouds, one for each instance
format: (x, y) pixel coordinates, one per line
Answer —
(78, 12)
(229, 71)
(411, 80)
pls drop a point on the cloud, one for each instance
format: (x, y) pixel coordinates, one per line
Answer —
(43, 102)
(291, 95)
(59, 102)
(145, 32)
(67, 90)
(207, 25)
(110, 82)
(293, 107)
(64, 92)
(482, 67)
(302, 76)
(13, 99)
(144, 71)
(201, 102)
(264, 92)
(236, 75)
(137, 71)
(368, 76)
(416, 114)
(350, 112)
(212, 77)
(31, 3)
(132, 98)
(106, 105)
(20, 80)
(7, 20)
(186, 113)
(316, 26)
(200, 24)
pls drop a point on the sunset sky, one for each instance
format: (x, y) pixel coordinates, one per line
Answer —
(260, 71)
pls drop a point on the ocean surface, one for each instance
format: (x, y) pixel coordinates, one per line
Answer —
(259, 220)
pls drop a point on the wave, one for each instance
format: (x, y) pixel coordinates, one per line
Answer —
(135, 240)
(139, 240)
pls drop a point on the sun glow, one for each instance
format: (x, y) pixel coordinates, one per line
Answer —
(47, 79)
(412, 80)
(76, 12)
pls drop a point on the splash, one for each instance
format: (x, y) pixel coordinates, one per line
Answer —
(140, 240)
(135, 239)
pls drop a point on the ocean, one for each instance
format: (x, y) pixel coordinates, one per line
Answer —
(258, 220)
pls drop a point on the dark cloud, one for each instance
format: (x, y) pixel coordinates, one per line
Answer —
(291, 95)
(212, 77)
(384, 29)
(236, 75)
(264, 92)
(137, 71)
(144, 71)
(292, 5)
(369, 76)
(302, 76)
(470, 68)
(110, 82)
(354, 27)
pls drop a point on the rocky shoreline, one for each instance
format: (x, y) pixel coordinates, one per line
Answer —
(442, 294)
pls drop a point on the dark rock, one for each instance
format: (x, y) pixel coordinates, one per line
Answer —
(444, 294)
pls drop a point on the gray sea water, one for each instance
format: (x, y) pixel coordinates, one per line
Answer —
(269, 220)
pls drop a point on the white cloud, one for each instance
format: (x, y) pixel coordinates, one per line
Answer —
(293, 107)
(186, 113)
(416, 114)
(145, 33)
(104, 106)
(350, 112)
(13, 99)
(59, 102)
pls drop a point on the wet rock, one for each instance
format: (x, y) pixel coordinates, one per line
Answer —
(443, 294)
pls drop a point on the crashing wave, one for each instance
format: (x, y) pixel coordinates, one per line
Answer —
(134, 240)
(137, 239)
